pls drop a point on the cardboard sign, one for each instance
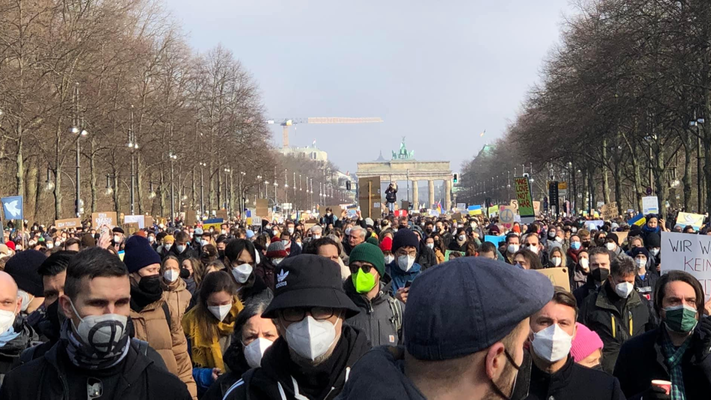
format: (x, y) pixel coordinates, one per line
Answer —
(650, 205)
(523, 195)
(594, 225)
(461, 207)
(130, 228)
(689, 219)
(448, 253)
(622, 237)
(536, 208)
(609, 211)
(457, 216)
(507, 216)
(215, 227)
(137, 219)
(690, 253)
(558, 276)
(69, 223)
(190, 217)
(103, 218)
(514, 204)
(222, 213)
(369, 197)
(148, 221)
(262, 208)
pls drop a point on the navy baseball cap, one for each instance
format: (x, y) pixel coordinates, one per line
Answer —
(466, 305)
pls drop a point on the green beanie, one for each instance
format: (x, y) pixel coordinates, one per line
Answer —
(370, 254)
(373, 240)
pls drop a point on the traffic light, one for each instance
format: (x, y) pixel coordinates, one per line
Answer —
(456, 178)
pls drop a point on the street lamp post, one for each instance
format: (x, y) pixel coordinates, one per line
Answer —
(695, 123)
(79, 131)
(259, 186)
(133, 145)
(172, 157)
(202, 188)
(228, 191)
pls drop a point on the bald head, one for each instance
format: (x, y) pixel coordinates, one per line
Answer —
(8, 293)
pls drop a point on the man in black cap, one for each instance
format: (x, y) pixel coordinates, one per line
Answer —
(315, 350)
(23, 268)
(464, 332)
(404, 268)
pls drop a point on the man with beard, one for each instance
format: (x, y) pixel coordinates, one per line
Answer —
(464, 332)
(315, 350)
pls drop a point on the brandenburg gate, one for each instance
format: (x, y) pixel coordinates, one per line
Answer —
(404, 167)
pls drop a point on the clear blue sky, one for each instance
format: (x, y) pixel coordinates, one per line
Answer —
(437, 73)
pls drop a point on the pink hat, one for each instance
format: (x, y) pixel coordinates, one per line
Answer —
(584, 343)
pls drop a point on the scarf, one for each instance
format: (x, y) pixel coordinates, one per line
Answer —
(85, 356)
(206, 351)
(8, 336)
(147, 291)
(573, 254)
(672, 357)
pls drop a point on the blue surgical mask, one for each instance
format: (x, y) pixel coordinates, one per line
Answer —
(575, 245)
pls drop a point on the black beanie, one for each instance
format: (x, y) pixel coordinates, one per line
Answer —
(23, 268)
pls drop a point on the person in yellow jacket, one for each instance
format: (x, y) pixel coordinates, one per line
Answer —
(209, 327)
(174, 287)
(154, 319)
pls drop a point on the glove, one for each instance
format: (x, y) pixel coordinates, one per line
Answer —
(655, 393)
(702, 345)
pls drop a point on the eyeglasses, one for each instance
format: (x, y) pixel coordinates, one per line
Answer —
(298, 314)
(403, 252)
(358, 265)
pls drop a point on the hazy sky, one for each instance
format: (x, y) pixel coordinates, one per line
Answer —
(438, 73)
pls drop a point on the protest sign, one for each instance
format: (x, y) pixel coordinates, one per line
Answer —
(448, 253)
(514, 204)
(594, 224)
(69, 223)
(130, 228)
(622, 237)
(689, 253)
(461, 207)
(262, 209)
(650, 205)
(558, 276)
(689, 219)
(495, 240)
(457, 217)
(369, 197)
(536, 208)
(99, 219)
(400, 213)
(609, 211)
(525, 201)
(148, 221)
(190, 217)
(507, 216)
(405, 205)
(221, 213)
(215, 226)
(493, 210)
(138, 219)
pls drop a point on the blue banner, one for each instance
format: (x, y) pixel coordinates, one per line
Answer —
(12, 206)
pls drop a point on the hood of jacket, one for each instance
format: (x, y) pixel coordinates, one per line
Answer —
(380, 375)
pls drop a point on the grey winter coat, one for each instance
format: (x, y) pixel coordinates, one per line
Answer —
(380, 319)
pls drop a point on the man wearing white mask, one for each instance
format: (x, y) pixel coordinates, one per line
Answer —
(617, 312)
(403, 270)
(15, 334)
(95, 358)
(249, 274)
(315, 350)
(554, 374)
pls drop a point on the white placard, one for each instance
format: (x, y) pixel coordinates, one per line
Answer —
(689, 253)
(650, 205)
(138, 219)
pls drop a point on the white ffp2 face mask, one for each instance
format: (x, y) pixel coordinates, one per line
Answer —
(242, 272)
(584, 264)
(220, 312)
(405, 262)
(254, 351)
(556, 261)
(552, 344)
(624, 289)
(310, 338)
(7, 319)
(171, 275)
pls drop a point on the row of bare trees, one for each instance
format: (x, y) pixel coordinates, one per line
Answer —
(623, 109)
(121, 72)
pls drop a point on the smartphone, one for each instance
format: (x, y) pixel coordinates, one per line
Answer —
(408, 284)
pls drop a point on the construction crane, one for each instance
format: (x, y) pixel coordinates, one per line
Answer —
(319, 120)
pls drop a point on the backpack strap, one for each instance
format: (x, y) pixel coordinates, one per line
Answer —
(396, 310)
(166, 310)
(141, 346)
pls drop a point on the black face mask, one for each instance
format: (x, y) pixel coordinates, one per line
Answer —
(221, 253)
(586, 243)
(600, 274)
(184, 273)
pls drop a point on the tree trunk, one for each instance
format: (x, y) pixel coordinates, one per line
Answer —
(618, 188)
(117, 194)
(686, 180)
(57, 192)
(162, 193)
(92, 173)
(605, 179)
(139, 183)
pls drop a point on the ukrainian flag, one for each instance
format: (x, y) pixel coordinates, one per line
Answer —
(639, 220)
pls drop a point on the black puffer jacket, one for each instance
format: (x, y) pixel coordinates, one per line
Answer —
(280, 374)
(573, 381)
(237, 364)
(45, 378)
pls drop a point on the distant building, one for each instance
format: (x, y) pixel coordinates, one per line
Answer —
(310, 152)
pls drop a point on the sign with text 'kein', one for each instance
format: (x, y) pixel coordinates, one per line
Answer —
(689, 253)
(12, 206)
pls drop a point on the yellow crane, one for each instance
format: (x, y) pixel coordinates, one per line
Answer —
(319, 120)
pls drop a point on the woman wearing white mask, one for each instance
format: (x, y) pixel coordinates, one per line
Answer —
(253, 335)
(582, 270)
(174, 287)
(241, 260)
(209, 326)
(556, 258)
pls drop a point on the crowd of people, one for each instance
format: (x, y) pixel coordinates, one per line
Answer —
(350, 308)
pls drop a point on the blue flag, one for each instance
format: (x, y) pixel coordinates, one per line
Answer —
(12, 206)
